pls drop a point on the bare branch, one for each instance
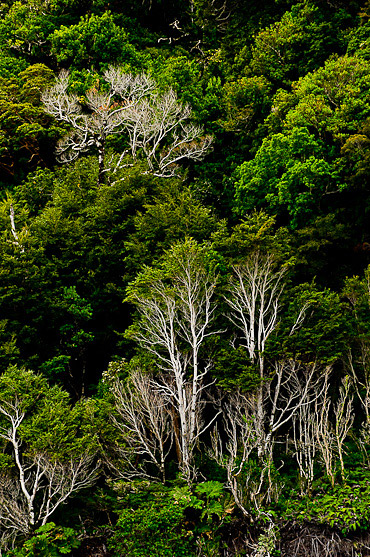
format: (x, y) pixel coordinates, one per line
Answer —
(156, 124)
(31, 493)
(175, 322)
(143, 419)
(254, 295)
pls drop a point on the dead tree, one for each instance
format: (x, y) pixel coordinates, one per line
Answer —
(156, 125)
(17, 242)
(105, 114)
(254, 299)
(241, 443)
(38, 484)
(305, 445)
(252, 428)
(159, 128)
(343, 419)
(324, 433)
(176, 319)
(142, 417)
(358, 359)
(332, 431)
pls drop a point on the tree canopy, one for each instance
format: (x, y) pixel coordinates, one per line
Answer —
(184, 277)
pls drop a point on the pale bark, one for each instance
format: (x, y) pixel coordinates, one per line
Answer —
(254, 299)
(252, 427)
(175, 322)
(143, 419)
(344, 417)
(324, 433)
(157, 125)
(17, 241)
(331, 434)
(305, 445)
(39, 484)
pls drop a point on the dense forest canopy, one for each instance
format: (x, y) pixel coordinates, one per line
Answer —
(185, 278)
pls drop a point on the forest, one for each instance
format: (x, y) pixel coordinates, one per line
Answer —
(185, 278)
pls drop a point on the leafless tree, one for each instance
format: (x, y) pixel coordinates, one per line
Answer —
(142, 417)
(252, 426)
(175, 322)
(361, 386)
(104, 114)
(324, 433)
(156, 125)
(358, 358)
(332, 431)
(38, 484)
(293, 386)
(254, 299)
(344, 417)
(241, 442)
(332, 425)
(17, 241)
(305, 445)
(216, 12)
(285, 385)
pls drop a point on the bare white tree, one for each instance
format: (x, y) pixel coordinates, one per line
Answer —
(142, 417)
(293, 386)
(252, 428)
(305, 445)
(175, 321)
(241, 442)
(332, 424)
(13, 512)
(254, 298)
(331, 432)
(324, 433)
(17, 241)
(358, 359)
(155, 124)
(344, 417)
(361, 384)
(38, 485)
(105, 114)
(158, 127)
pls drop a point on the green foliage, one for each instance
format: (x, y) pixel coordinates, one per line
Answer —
(52, 426)
(317, 245)
(234, 369)
(26, 27)
(172, 214)
(48, 541)
(324, 332)
(289, 174)
(283, 86)
(170, 267)
(297, 43)
(256, 232)
(94, 40)
(168, 521)
(24, 126)
(154, 525)
(334, 99)
(211, 491)
(345, 507)
(359, 42)
(245, 100)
